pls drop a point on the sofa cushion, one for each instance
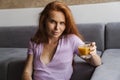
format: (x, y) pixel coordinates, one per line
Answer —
(109, 70)
(17, 37)
(93, 32)
(112, 35)
(7, 56)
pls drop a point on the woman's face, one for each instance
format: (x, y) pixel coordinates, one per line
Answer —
(55, 24)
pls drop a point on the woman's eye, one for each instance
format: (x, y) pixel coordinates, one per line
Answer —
(62, 23)
(52, 21)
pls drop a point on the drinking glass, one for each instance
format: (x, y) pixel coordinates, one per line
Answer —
(84, 50)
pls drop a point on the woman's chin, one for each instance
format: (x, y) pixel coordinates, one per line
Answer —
(56, 36)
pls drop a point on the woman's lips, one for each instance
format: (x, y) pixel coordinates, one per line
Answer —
(55, 32)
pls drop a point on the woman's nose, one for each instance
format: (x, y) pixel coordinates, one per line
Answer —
(57, 26)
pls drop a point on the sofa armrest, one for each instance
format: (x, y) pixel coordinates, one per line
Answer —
(15, 69)
(109, 70)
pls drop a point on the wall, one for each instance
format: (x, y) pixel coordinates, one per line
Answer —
(10, 4)
(88, 13)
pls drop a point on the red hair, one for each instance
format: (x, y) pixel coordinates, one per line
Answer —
(41, 34)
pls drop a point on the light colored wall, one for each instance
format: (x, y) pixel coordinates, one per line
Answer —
(89, 13)
(101, 13)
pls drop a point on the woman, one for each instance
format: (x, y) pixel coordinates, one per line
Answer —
(52, 48)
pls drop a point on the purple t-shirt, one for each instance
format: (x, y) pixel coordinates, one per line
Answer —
(60, 67)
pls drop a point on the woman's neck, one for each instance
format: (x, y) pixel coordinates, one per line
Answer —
(53, 40)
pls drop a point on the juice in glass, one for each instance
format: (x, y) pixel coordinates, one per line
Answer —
(84, 50)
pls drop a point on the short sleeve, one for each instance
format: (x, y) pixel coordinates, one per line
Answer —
(76, 42)
(30, 48)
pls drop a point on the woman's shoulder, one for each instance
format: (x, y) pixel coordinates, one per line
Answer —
(72, 37)
(32, 43)
(73, 40)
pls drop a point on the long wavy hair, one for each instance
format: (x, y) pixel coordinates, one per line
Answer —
(41, 35)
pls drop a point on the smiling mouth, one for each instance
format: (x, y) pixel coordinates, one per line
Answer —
(56, 32)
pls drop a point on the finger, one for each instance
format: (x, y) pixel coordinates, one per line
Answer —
(92, 48)
(93, 43)
(93, 52)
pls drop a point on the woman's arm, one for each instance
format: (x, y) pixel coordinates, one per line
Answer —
(27, 73)
(94, 60)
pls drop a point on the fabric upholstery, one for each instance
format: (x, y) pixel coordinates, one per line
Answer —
(17, 37)
(93, 32)
(113, 35)
(16, 66)
(109, 70)
(82, 71)
(7, 56)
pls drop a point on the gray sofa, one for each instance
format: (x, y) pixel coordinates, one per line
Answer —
(14, 42)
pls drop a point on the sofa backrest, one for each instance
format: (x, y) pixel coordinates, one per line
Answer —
(18, 36)
(112, 35)
(93, 32)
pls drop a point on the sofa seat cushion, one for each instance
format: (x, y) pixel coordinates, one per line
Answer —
(6, 53)
(9, 55)
(109, 70)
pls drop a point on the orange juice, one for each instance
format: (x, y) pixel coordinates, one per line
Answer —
(84, 50)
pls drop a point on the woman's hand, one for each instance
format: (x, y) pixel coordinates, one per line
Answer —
(93, 48)
(93, 58)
